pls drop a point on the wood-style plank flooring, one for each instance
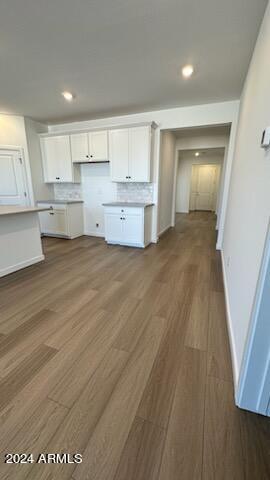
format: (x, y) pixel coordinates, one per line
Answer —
(122, 355)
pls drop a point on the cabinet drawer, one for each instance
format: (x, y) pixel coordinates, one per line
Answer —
(124, 210)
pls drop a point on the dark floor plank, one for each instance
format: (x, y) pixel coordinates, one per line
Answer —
(223, 456)
(23, 373)
(182, 457)
(142, 453)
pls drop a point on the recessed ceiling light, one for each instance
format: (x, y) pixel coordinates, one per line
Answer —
(197, 154)
(187, 71)
(68, 96)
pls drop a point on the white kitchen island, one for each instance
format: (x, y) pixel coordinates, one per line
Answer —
(20, 242)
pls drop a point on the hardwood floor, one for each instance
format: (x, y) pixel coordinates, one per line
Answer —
(122, 355)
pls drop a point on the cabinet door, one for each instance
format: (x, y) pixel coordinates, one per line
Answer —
(53, 222)
(57, 159)
(98, 146)
(139, 154)
(50, 164)
(113, 227)
(64, 158)
(133, 231)
(119, 154)
(79, 147)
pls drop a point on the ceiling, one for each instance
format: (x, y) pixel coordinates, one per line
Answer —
(122, 56)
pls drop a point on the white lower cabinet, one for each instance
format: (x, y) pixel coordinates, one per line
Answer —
(62, 220)
(129, 226)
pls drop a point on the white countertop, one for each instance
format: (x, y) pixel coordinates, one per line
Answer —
(50, 202)
(15, 209)
(128, 204)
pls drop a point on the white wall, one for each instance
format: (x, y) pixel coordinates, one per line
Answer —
(249, 198)
(200, 115)
(42, 191)
(12, 133)
(167, 168)
(184, 174)
(97, 189)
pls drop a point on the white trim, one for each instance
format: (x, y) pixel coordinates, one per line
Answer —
(19, 266)
(235, 365)
(97, 129)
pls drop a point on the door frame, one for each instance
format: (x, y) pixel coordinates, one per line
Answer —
(20, 152)
(216, 190)
(253, 391)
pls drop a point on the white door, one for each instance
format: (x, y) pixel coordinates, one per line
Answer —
(13, 189)
(139, 154)
(79, 147)
(98, 146)
(119, 154)
(133, 229)
(114, 227)
(204, 185)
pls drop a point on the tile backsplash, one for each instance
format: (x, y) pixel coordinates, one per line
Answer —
(134, 192)
(125, 192)
(67, 191)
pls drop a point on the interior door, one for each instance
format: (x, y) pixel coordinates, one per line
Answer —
(205, 190)
(13, 189)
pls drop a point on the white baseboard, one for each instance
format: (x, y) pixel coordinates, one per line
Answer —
(19, 266)
(94, 234)
(235, 365)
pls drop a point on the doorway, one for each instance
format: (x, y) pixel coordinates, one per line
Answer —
(13, 183)
(204, 187)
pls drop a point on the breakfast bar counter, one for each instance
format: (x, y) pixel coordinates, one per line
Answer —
(20, 242)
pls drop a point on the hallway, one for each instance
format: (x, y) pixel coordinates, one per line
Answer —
(122, 355)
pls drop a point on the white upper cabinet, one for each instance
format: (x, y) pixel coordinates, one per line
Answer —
(79, 147)
(89, 147)
(130, 154)
(119, 154)
(139, 154)
(56, 156)
(98, 146)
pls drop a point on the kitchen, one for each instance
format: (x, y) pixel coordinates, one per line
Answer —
(102, 186)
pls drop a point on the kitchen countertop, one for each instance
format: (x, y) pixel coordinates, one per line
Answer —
(60, 201)
(128, 204)
(15, 209)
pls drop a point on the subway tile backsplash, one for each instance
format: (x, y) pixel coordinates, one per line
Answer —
(67, 191)
(125, 192)
(134, 192)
